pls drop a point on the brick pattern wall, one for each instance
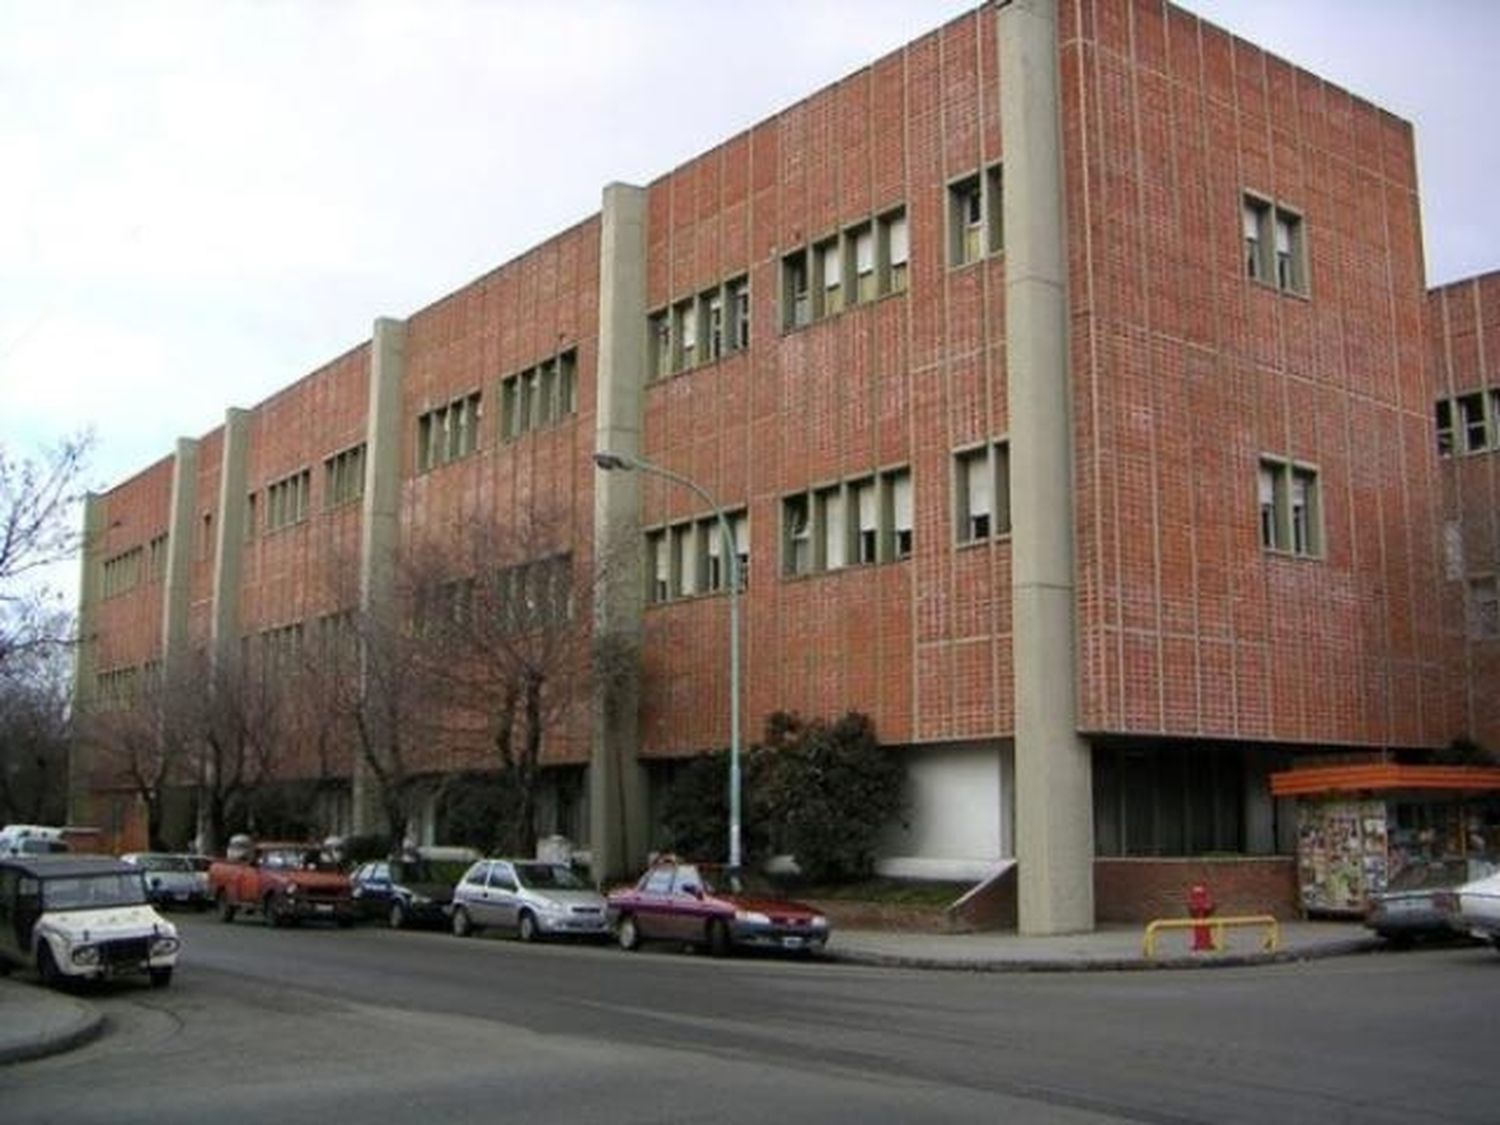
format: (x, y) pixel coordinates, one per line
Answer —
(1140, 890)
(1186, 372)
(1464, 340)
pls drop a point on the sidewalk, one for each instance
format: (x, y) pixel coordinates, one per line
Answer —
(1111, 948)
(35, 1021)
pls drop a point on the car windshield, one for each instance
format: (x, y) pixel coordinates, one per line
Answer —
(305, 859)
(427, 871)
(552, 876)
(91, 892)
(163, 863)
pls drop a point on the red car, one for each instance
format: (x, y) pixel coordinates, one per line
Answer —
(676, 901)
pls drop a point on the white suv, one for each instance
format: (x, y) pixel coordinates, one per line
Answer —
(81, 917)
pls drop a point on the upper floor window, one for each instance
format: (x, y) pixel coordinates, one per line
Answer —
(343, 476)
(701, 329)
(123, 572)
(688, 557)
(448, 432)
(976, 216)
(1290, 508)
(855, 522)
(981, 480)
(540, 396)
(1468, 423)
(861, 263)
(287, 500)
(156, 558)
(1274, 249)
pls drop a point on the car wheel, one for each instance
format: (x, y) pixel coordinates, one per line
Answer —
(226, 909)
(526, 926)
(275, 910)
(46, 967)
(160, 978)
(463, 925)
(627, 934)
(718, 938)
(398, 915)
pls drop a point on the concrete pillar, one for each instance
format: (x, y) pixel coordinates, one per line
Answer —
(380, 527)
(229, 539)
(1054, 806)
(617, 814)
(178, 577)
(86, 664)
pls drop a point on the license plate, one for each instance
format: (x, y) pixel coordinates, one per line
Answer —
(791, 943)
(324, 908)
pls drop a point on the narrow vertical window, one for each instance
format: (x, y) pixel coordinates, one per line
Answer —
(738, 292)
(661, 344)
(740, 522)
(794, 291)
(715, 305)
(830, 278)
(1270, 521)
(975, 496)
(863, 500)
(713, 549)
(1471, 417)
(966, 221)
(901, 515)
(994, 210)
(835, 531)
(1289, 252)
(863, 241)
(1484, 608)
(1255, 216)
(798, 535)
(687, 319)
(898, 250)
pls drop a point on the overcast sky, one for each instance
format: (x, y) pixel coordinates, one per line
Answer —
(202, 201)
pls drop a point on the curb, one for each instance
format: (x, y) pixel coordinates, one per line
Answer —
(83, 1026)
(1104, 964)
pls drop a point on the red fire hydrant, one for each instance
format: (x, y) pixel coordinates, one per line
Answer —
(1201, 905)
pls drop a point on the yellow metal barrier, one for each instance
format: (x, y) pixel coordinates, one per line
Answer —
(1216, 925)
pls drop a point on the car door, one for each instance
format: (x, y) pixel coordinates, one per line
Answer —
(470, 892)
(372, 889)
(504, 894)
(653, 904)
(688, 911)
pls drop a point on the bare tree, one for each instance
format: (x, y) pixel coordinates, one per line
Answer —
(503, 610)
(234, 717)
(37, 530)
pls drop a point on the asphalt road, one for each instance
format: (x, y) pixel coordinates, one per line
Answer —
(334, 1027)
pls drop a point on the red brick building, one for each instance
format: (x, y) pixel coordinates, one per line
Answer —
(1080, 431)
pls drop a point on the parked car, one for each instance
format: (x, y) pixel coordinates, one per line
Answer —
(677, 901)
(407, 891)
(172, 879)
(1407, 909)
(1474, 908)
(32, 839)
(533, 898)
(73, 917)
(283, 882)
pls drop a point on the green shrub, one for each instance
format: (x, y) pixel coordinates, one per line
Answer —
(830, 791)
(695, 810)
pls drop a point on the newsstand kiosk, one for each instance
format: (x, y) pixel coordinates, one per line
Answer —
(1359, 825)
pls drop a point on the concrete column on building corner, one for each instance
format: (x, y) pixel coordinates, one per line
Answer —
(229, 539)
(85, 664)
(617, 814)
(178, 575)
(1054, 798)
(177, 578)
(380, 524)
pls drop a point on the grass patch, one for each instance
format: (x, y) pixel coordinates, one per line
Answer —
(890, 892)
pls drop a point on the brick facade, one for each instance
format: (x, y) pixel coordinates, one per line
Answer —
(1186, 376)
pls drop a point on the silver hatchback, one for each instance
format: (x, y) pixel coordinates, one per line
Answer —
(531, 898)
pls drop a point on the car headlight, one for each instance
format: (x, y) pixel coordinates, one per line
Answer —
(751, 917)
(818, 922)
(162, 946)
(420, 900)
(550, 906)
(291, 890)
(86, 955)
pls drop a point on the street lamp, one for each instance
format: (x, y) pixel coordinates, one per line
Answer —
(609, 461)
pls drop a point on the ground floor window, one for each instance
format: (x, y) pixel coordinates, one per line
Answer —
(1172, 800)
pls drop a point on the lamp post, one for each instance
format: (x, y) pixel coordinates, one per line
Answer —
(608, 461)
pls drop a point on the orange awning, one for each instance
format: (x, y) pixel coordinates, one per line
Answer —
(1384, 776)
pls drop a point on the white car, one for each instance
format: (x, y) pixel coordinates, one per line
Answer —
(532, 898)
(81, 918)
(1474, 908)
